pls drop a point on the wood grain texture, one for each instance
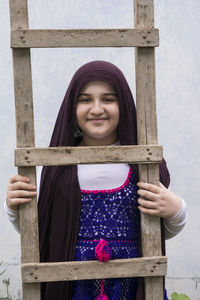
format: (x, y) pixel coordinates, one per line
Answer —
(23, 98)
(18, 14)
(119, 268)
(25, 138)
(147, 134)
(144, 13)
(87, 155)
(85, 38)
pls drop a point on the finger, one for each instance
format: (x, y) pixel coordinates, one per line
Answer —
(147, 204)
(22, 186)
(18, 201)
(148, 186)
(161, 185)
(18, 177)
(152, 212)
(147, 195)
(21, 194)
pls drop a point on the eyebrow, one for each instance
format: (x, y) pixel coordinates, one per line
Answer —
(105, 94)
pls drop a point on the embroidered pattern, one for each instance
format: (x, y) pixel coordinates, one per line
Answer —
(111, 215)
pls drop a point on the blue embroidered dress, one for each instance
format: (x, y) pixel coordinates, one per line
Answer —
(111, 215)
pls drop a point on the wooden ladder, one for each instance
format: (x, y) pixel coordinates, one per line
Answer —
(147, 153)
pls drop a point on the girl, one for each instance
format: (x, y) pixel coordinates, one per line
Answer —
(79, 206)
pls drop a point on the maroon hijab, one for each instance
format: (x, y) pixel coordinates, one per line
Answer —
(60, 196)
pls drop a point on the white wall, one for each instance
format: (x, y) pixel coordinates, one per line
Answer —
(178, 107)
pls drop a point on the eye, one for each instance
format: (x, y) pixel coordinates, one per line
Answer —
(84, 100)
(109, 100)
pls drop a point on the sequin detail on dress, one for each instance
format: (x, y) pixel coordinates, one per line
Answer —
(111, 215)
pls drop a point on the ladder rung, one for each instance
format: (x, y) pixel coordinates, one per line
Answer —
(84, 38)
(56, 156)
(78, 270)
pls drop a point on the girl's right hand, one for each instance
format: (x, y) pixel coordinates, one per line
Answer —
(19, 191)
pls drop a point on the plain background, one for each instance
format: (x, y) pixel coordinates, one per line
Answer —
(178, 106)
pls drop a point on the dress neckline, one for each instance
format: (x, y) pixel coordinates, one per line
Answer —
(110, 190)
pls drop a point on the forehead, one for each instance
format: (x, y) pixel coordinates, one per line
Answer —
(97, 86)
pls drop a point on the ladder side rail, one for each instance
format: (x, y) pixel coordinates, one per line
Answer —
(147, 134)
(25, 138)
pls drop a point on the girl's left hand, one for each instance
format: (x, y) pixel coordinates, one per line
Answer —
(159, 201)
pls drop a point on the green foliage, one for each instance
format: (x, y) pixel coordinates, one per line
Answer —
(176, 296)
(6, 282)
(3, 270)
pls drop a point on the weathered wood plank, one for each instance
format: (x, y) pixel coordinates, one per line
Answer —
(146, 96)
(31, 291)
(85, 38)
(119, 268)
(25, 138)
(147, 134)
(23, 98)
(87, 155)
(18, 14)
(144, 13)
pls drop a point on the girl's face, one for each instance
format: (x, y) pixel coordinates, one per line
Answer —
(97, 114)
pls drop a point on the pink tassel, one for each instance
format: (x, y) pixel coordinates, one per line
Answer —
(104, 297)
(102, 253)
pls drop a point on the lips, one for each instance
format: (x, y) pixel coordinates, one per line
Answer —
(100, 119)
(97, 121)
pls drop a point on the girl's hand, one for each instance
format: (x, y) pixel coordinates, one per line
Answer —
(19, 191)
(159, 201)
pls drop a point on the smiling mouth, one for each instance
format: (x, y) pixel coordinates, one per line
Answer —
(97, 120)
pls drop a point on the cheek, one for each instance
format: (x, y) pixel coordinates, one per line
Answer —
(79, 114)
(116, 114)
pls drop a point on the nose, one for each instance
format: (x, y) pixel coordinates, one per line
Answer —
(97, 107)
